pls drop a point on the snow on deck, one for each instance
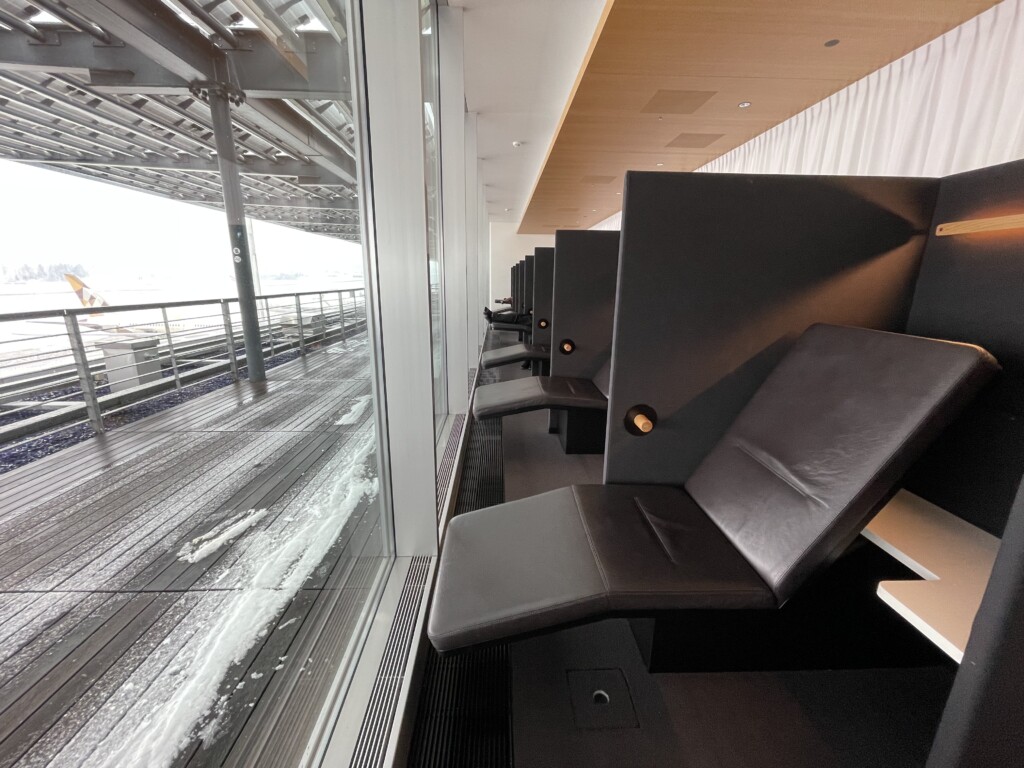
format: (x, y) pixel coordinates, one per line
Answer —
(178, 591)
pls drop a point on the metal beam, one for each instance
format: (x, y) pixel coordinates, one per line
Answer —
(157, 143)
(68, 17)
(13, 22)
(135, 111)
(120, 69)
(341, 206)
(328, 16)
(79, 54)
(270, 24)
(279, 119)
(150, 26)
(310, 174)
(260, 72)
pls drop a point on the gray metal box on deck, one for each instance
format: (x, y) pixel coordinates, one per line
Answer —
(130, 362)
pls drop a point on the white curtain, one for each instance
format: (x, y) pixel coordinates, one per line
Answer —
(952, 105)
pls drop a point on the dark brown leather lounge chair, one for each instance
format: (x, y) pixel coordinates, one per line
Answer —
(814, 454)
(503, 398)
(514, 353)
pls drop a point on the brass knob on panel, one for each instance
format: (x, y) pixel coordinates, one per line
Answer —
(640, 420)
(542, 323)
(566, 346)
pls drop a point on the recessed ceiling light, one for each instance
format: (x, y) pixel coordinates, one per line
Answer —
(618, 193)
(744, 105)
(593, 210)
(507, 210)
(832, 43)
(517, 144)
(659, 164)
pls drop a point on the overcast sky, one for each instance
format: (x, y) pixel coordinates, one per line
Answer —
(119, 234)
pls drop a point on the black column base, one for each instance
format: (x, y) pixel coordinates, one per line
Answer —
(582, 430)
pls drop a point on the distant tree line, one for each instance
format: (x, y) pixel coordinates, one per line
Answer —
(50, 272)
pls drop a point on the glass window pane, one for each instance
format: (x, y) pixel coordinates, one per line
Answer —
(432, 156)
(198, 534)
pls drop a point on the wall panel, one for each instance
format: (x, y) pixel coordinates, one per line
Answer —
(718, 274)
(584, 300)
(543, 287)
(972, 289)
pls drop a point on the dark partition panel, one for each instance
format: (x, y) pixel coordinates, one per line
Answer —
(981, 725)
(971, 289)
(528, 284)
(583, 306)
(720, 272)
(521, 279)
(543, 283)
(515, 288)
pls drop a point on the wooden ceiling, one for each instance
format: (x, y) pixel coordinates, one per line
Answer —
(661, 84)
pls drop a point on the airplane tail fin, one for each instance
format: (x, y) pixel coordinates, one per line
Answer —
(86, 295)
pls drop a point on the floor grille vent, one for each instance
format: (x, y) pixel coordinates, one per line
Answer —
(464, 717)
(380, 714)
(451, 450)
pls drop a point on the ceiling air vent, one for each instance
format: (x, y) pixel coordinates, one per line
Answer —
(665, 102)
(694, 140)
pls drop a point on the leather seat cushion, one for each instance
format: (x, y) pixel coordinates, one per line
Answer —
(579, 552)
(497, 325)
(504, 398)
(514, 353)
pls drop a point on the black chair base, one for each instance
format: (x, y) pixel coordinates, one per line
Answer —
(581, 431)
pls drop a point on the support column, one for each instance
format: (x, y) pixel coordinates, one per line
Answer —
(220, 110)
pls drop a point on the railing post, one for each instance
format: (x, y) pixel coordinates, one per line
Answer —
(92, 403)
(298, 318)
(170, 348)
(323, 319)
(270, 325)
(229, 335)
(341, 314)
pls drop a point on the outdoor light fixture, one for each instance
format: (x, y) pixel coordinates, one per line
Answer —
(970, 226)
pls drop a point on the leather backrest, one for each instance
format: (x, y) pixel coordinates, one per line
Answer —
(821, 444)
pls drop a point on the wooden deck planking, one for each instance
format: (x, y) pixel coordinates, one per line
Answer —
(94, 587)
(50, 562)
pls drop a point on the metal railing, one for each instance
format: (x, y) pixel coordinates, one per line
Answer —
(82, 365)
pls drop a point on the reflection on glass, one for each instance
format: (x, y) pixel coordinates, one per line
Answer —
(432, 155)
(205, 565)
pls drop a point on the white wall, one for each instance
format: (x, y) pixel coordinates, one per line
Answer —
(952, 105)
(507, 249)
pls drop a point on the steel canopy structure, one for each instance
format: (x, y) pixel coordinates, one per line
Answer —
(241, 105)
(108, 89)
